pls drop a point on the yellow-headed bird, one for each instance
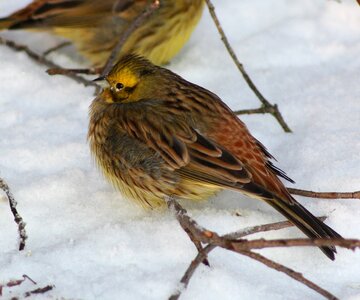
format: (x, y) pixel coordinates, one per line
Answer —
(94, 26)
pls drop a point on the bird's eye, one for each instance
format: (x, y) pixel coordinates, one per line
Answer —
(119, 86)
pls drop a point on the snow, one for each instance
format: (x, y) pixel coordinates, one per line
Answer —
(90, 243)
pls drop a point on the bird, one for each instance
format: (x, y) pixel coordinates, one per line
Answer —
(154, 134)
(95, 26)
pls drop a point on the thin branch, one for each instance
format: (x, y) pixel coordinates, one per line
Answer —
(325, 195)
(44, 61)
(231, 242)
(261, 228)
(17, 218)
(202, 255)
(260, 110)
(63, 71)
(15, 282)
(56, 48)
(37, 291)
(198, 245)
(184, 281)
(148, 11)
(211, 237)
(266, 107)
(241, 245)
(293, 274)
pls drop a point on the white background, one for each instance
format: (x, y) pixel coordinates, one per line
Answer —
(92, 244)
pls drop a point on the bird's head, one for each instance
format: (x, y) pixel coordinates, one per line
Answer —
(130, 80)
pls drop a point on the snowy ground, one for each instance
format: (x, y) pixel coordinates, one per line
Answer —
(92, 244)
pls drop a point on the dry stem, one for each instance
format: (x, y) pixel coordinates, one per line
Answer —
(266, 106)
(56, 48)
(232, 242)
(325, 195)
(41, 59)
(17, 218)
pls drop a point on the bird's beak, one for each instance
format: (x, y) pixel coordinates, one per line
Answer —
(102, 82)
(101, 78)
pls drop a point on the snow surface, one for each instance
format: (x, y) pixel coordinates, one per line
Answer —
(92, 244)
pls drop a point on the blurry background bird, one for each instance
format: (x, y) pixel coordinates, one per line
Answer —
(94, 26)
(155, 134)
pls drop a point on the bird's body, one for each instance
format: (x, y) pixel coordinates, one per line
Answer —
(155, 134)
(95, 26)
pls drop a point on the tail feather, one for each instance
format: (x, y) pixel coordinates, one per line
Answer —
(5, 23)
(307, 223)
(298, 215)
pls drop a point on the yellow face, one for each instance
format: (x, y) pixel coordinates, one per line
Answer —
(122, 83)
(132, 79)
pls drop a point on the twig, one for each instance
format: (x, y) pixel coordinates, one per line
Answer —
(63, 71)
(15, 282)
(325, 195)
(42, 290)
(17, 218)
(261, 228)
(241, 245)
(260, 110)
(58, 47)
(148, 11)
(293, 274)
(264, 109)
(231, 242)
(266, 106)
(237, 234)
(198, 245)
(44, 61)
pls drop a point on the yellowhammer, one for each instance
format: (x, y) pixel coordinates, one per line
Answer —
(94, 26)
(154, 134)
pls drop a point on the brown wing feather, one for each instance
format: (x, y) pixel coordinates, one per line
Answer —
(181, 146)
(73, 13)
(234, 135)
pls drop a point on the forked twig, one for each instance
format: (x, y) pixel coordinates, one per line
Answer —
(41, 59)
(202, 255)
(232, 242)
(17, 282)
(17, 218)
(266, 106)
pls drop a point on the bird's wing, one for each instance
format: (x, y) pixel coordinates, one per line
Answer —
(182, 147)
(74, 13)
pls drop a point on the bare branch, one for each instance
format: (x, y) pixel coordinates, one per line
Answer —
(231, 243)
(56, 48)
(43, 60)
(63, 71)
(266, 107)
(42, 290)
(17, 218)
(15, 282)
(237, 234)
(293, 274)
(325, 195)
(239, 245)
